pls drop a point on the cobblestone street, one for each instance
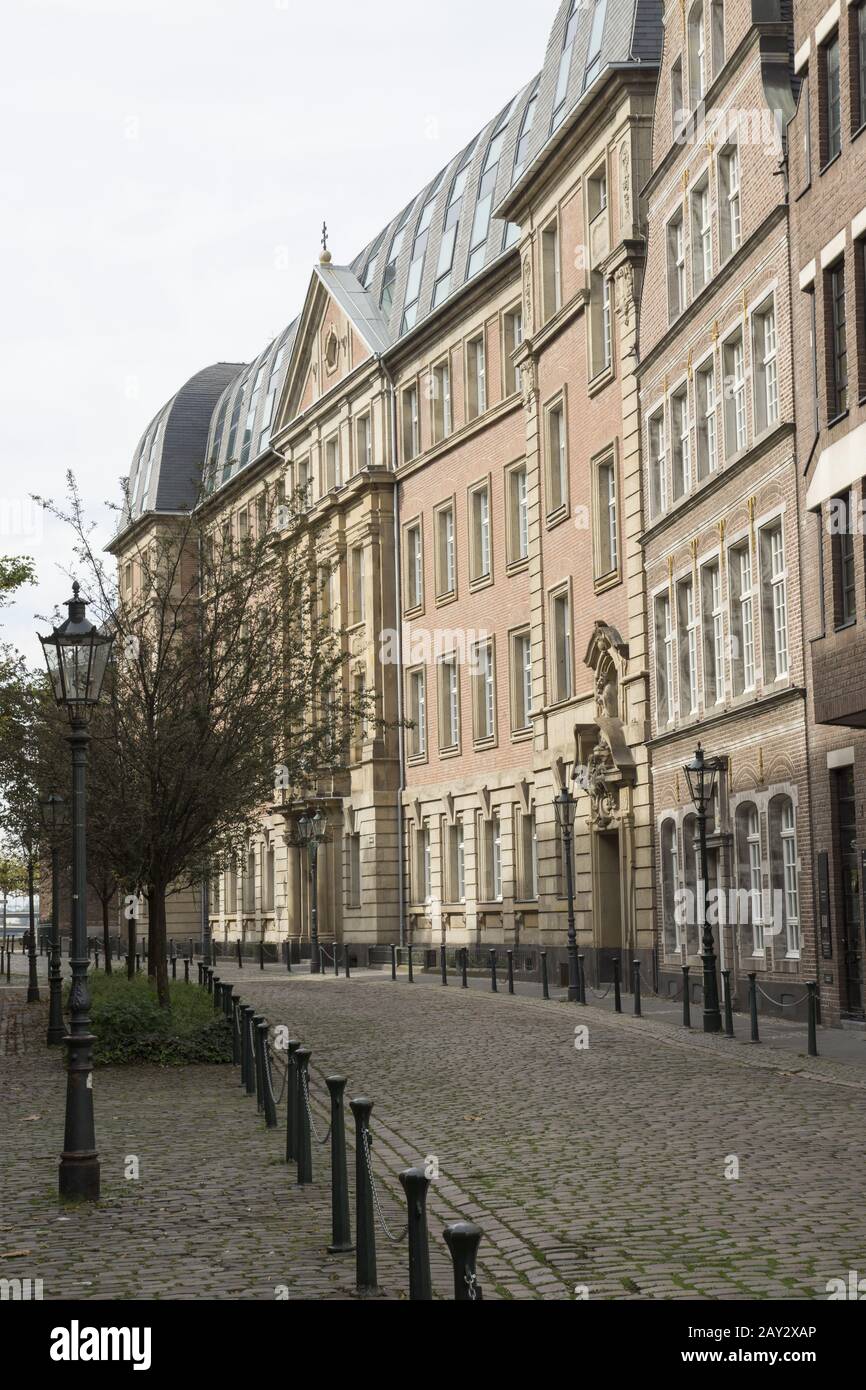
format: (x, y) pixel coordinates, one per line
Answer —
(603, 1168)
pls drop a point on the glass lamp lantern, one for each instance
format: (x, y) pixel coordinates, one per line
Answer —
(77, 656)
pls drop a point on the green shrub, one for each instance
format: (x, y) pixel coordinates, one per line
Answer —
(131, 1028)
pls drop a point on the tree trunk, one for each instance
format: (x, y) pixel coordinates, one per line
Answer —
(157, 963)
(106, 938)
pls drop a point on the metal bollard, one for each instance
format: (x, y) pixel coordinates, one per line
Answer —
(235, 1002)
(261, 955)
(302, 1124)
(240, 956)
(336, 963)
(250, 1078)
(729, 1007)
(341, 1231)
(137, 963)
(753, 1007)
(687, 1000)
(494, 984)
(411, 966)
(617, 985)
(174, 967)
(581, 979)
(545, 983)
(291, 1100)
(393, 961)
(365, 1231)
(464, 967)
(186, 970)
(199, 972)
(258, 1061)
(347, 964)
(415, 1184)
(95, 958)
(215, 989)
(813, 1018)
(637, 1007)
(268, 1098)
(510, 972)
(443, 965)
(463, 1239)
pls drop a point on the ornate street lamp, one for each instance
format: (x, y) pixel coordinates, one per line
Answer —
(77, 656)
(702, 774)
(311, 834)
(52, 812)
(565, 806)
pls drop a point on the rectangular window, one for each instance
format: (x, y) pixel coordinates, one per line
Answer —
(446, 559)
(359, 604)
(681, 452)
(529, 858)
(476, 376)
(658, 464)
(735, 395)
(832, 108)
(664, 642)
(788, 833)
(742, 619)
(518, 514)
(806, 108)
(354, 846)
(857, 48)
(766, 369)
(479, 539)
(513, 340)
(860, 312)
(442, 417)
(423, 874)
(563, 664)
(702, 237)
(484, 693)
(521, 681)
(493, 858)
(449, 704)
(557, 460)
(841, 520)
(837, 354)
(687, 620)
(678, 110)
(418, 714)
(364, 442)
(411, 432)
(414, 567)
(753, 842)
(456, 863)
(676, 266)
(705, 431)
(713, 634)
(774, 602)
(730, 222)
(550, 272)
(333, 474)
(606, 526)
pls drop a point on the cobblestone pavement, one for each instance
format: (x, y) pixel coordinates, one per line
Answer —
(603, 1168)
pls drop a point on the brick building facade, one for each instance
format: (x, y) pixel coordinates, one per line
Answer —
(828, 252)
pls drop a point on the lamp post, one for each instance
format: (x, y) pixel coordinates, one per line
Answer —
(77, 655)
(32, 977)
(702, 773)
(565, 807)
(52, 812)
(311, 834)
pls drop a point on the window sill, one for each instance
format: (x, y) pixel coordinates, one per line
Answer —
(481, 745)
(517, 566)
(443, 600)
(838, 419)
(521, 735)
(855, 134)
(556, 518)
(417, 760)
(484, 581)
(830, 163)
(601, 379)
(446, 753)
(843, 627)
(415, 612)
(607, 581)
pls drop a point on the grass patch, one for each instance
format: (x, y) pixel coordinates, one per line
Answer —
(131, 1028)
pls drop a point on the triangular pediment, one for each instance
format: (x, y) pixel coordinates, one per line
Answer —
(340, 328)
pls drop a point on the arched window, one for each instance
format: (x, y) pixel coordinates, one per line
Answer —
(670, 874)
(750, 874)
(784, 872)
(694, 924)
(698, 56)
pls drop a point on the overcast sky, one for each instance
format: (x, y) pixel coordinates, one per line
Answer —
(167, 165)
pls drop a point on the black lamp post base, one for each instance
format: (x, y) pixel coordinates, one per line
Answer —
(712, 1012)
(56, 1035)
(79, 1177)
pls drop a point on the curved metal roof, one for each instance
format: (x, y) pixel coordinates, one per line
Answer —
(448, 232)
